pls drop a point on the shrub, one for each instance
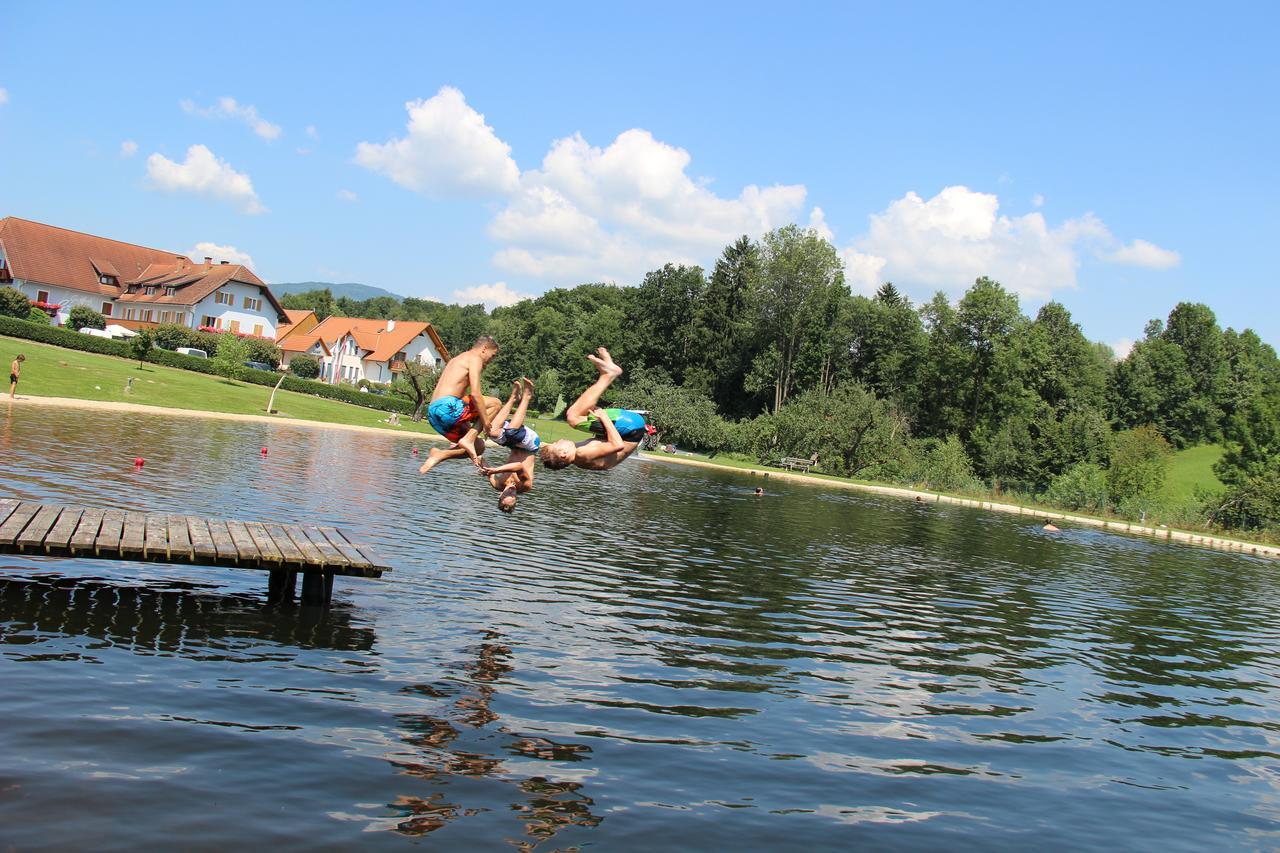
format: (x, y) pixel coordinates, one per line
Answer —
(37, 315)
(942, 465)
(1138, 461)
(1082, 486)
(261, 349)
(14, 303)
(170, 336)
(305, 366)
(84, 317)
(232, 353)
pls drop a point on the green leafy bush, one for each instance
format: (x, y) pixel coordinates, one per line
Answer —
(305, 366)
(84, 317)
(1082, 486)
(170, 336)
(140, 345)
(14, 303)
(941, 465)
(1138, 462)
(37, 315)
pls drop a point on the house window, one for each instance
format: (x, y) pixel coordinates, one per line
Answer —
(170, 291)
(180, 317)
(42, 296)
(206, 320)
(224, 298)
(253, 304)
(146, 315)
(149, 290)
(439, 362)
(128, 313)
(106, 309)
(108, 279)
(257, 330)
(235, 325)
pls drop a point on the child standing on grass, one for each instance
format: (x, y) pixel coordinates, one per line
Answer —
(15, 371)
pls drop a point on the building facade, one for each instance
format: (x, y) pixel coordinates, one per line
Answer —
(376, 350)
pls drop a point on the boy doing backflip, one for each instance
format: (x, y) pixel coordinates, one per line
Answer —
(516, 477)
(452, 410)
(616, 438)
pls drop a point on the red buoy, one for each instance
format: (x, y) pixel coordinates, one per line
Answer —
(138, 462)
(264, 451)
(415, 451)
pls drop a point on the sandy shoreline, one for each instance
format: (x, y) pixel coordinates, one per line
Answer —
(1204, 540)
(109, 406)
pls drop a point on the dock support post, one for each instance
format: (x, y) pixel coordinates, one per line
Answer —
(281, 586)
(317, 588)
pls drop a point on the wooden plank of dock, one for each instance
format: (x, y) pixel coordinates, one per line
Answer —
(318, 552)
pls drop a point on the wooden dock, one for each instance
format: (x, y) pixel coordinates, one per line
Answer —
(318, 553)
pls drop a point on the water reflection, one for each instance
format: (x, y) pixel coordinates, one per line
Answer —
(465, 742)
(173, 618)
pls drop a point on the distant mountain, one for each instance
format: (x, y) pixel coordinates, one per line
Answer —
(350, 289)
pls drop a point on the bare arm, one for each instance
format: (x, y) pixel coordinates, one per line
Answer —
(612, 437)
(477, 391)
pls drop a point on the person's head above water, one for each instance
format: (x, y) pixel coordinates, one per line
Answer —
(759, 491)
(486, 346)
(558, 454)
(507, 500)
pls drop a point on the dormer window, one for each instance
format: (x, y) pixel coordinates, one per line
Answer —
(109, 279)
(149, 290)
(170, 291)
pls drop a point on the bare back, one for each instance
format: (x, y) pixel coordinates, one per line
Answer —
(592, 456)
(455, 379)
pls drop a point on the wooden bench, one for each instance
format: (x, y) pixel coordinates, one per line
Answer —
(318, 553)
(793, 463)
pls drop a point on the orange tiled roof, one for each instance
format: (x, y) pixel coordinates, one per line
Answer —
(303, 343)
(374, 337)
(51, 255)
(191, 283)
(297, 317)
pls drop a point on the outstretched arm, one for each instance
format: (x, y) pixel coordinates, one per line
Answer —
(477, 392)
(509, 468)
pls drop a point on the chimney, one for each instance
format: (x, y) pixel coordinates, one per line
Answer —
(391, 325)
(208, 261)
(224, 263)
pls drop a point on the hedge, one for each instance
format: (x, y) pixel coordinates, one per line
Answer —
(59, 337)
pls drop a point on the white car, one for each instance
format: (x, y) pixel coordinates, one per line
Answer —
(192, 351)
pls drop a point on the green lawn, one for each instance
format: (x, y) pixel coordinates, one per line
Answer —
(1190, 468)
(51, 371)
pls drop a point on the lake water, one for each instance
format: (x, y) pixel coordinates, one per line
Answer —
(651, 658)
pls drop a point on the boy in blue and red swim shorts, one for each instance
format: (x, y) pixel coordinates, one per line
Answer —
(458, 403)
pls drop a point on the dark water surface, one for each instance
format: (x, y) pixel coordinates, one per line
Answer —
(648, 659)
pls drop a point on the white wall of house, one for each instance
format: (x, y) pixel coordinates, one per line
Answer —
(63, 296)
(236, 316)
(316, 351)
(351, 367)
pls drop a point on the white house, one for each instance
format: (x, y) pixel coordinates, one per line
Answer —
(134, 285)
(376, 350)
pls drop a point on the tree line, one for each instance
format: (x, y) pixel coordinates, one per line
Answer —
(772, 354)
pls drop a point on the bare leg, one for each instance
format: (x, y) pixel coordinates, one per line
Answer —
(577, 413)
(495, 423)
(436, 455)
(517, 420)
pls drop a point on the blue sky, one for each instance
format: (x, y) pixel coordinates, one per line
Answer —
(1117, 157)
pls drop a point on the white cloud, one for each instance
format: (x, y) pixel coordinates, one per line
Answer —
(230, 254)
(4, 95)
(1140, 253)
(202, 173)
(229, 108)
(347, 195)
(951, 239)
(496, 295)
(312, 132)
(449, 150)
(818, 222)
(128, 148)
(613, 213)
(1122, 348)
(1037, 200)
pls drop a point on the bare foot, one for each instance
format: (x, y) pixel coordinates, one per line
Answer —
(515, 391)
(604, 363)
(528, 386)
(434, 457)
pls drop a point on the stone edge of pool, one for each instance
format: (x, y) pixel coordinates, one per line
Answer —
(1168, 534)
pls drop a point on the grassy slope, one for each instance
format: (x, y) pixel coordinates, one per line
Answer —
(1190, 468)
(51, 371)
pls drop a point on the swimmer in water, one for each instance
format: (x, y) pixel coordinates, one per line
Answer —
(1050, 527)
